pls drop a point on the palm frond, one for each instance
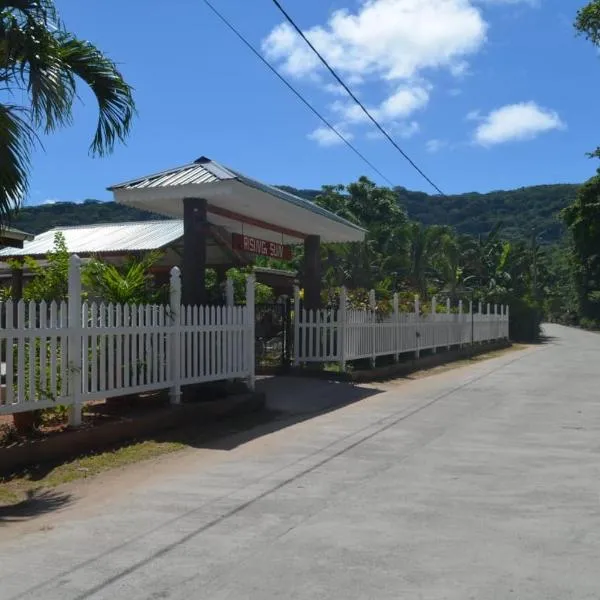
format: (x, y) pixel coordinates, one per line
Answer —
(43, 11)
(31, 54)
(16, 139)
(114, 95)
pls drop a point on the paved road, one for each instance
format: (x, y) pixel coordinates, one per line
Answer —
(481, 483)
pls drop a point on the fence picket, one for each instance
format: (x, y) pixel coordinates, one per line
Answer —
(10, 345)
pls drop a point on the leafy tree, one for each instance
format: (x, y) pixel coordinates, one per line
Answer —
(50, 280)
(587, 23)
(131, 283)
(583, 220)
(43, 62)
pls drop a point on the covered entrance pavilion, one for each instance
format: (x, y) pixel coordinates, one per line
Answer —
(216, 202)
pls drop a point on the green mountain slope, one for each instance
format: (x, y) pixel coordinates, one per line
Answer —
(519, 211)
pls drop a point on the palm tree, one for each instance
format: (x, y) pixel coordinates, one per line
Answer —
(43, 62)
(425, 246)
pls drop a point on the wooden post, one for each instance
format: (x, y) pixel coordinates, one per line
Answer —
(342, 329)
(250, 333)
(195, 233)
(297, 340)
(175, 335)
(373, 307)
(16, 285)
(76, 331)
(434, 321)
(312, 272)
(396, 328)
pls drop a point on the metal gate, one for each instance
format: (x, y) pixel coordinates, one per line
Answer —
(273, 335)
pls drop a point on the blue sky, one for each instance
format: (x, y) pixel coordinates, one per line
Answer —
(483, 94)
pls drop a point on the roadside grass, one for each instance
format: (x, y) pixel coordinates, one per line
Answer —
(24, 484)
(464, 362)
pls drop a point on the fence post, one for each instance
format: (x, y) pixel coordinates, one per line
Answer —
(297, 341)
(495, 321)
(396, 329)
(373, 307)
(175, 336)
(479, 320)
(75, 335)
(460, 323)
(507, 319)
(229, 303)
(472, 321)
(434, 319)
(250, 324)
(342, 328)
(449, 324)
(417, 323)
(229, 293)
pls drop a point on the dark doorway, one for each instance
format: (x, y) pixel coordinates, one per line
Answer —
(273, 331)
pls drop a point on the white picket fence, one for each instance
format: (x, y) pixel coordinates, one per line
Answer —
(72, 353)
(341, 335)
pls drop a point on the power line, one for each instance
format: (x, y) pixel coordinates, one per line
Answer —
(296, 92)
(353, 96)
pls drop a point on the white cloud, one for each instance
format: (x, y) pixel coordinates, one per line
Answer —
(391, 39)
(51, 201)
(403, 102)
(474, 115)
(394, 44)
(324, 136)
(514, 122)
(335, 88)
(530, 2)
(399, 105)
(460, 69)
(435, 145)
(403, 130)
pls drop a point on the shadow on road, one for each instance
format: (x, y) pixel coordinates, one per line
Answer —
(289, 400)
(35, 504)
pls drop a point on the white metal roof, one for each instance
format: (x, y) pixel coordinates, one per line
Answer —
(104, 238)
(228, 191)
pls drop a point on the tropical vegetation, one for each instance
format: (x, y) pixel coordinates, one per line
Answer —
(43, 63)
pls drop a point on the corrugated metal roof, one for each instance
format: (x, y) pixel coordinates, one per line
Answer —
(204, 171)
(104, 238)
(16, 234)
(200, 172)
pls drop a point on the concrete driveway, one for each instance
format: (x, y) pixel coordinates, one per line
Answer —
(481, 482)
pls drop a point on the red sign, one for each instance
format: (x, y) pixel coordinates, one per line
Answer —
(247, 243)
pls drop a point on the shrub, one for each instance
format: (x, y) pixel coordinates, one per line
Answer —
(525, 320)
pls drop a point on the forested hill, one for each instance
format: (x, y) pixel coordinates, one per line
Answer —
(519, 210)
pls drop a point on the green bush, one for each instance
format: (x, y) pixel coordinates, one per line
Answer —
(525, 320)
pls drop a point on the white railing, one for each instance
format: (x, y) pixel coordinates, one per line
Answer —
(341, 335)
(72, 353)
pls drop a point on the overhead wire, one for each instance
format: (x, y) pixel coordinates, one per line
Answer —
(291, 21)
(294, 90)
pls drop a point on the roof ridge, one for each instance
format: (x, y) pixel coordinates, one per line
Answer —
(152, 175)
(110, 223)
